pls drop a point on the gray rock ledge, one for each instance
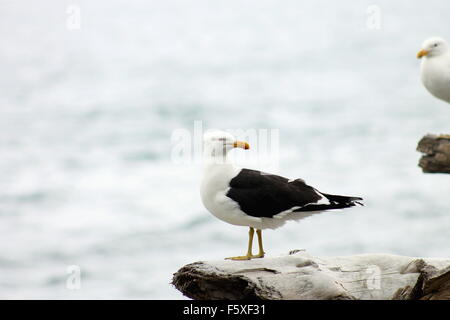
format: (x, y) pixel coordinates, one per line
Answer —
(436, 149)
(300, 275)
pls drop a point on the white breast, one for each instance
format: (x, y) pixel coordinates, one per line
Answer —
(214, 187)
(435, 75)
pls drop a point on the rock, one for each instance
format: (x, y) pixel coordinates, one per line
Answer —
(437, 153)
(303, 276)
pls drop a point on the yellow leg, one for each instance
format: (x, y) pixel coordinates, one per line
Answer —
(249, 255)
(260, 245)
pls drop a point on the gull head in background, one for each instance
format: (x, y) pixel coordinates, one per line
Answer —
(435, 67)
(433, 47)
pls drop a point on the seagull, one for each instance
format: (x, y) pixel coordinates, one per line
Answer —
(258, 200)
(435, 67)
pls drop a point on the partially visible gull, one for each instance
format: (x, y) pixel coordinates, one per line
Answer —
(246, 197)
(435, 67)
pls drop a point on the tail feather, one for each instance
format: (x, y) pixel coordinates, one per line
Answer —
(336, 202)
(344, 200)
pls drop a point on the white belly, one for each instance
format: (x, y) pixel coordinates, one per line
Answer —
(435, 77)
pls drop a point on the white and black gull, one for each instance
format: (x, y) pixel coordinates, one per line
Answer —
(252, 198)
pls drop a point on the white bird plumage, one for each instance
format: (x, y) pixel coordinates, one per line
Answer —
(435, 67)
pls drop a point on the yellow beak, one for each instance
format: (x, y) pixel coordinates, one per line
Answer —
(241, 144)
(422, 53)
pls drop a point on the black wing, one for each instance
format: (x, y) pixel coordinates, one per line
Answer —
(265, 195)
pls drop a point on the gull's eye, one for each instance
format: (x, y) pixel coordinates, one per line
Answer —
(436, 44)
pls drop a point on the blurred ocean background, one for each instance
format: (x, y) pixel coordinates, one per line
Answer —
(87, 115)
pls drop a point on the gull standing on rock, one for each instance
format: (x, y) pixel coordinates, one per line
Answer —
(245, 197)
(435, 67)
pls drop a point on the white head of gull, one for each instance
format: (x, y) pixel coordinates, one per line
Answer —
(217, 144)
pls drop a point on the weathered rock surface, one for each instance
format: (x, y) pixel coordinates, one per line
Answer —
(300, 275)
(436, 149)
